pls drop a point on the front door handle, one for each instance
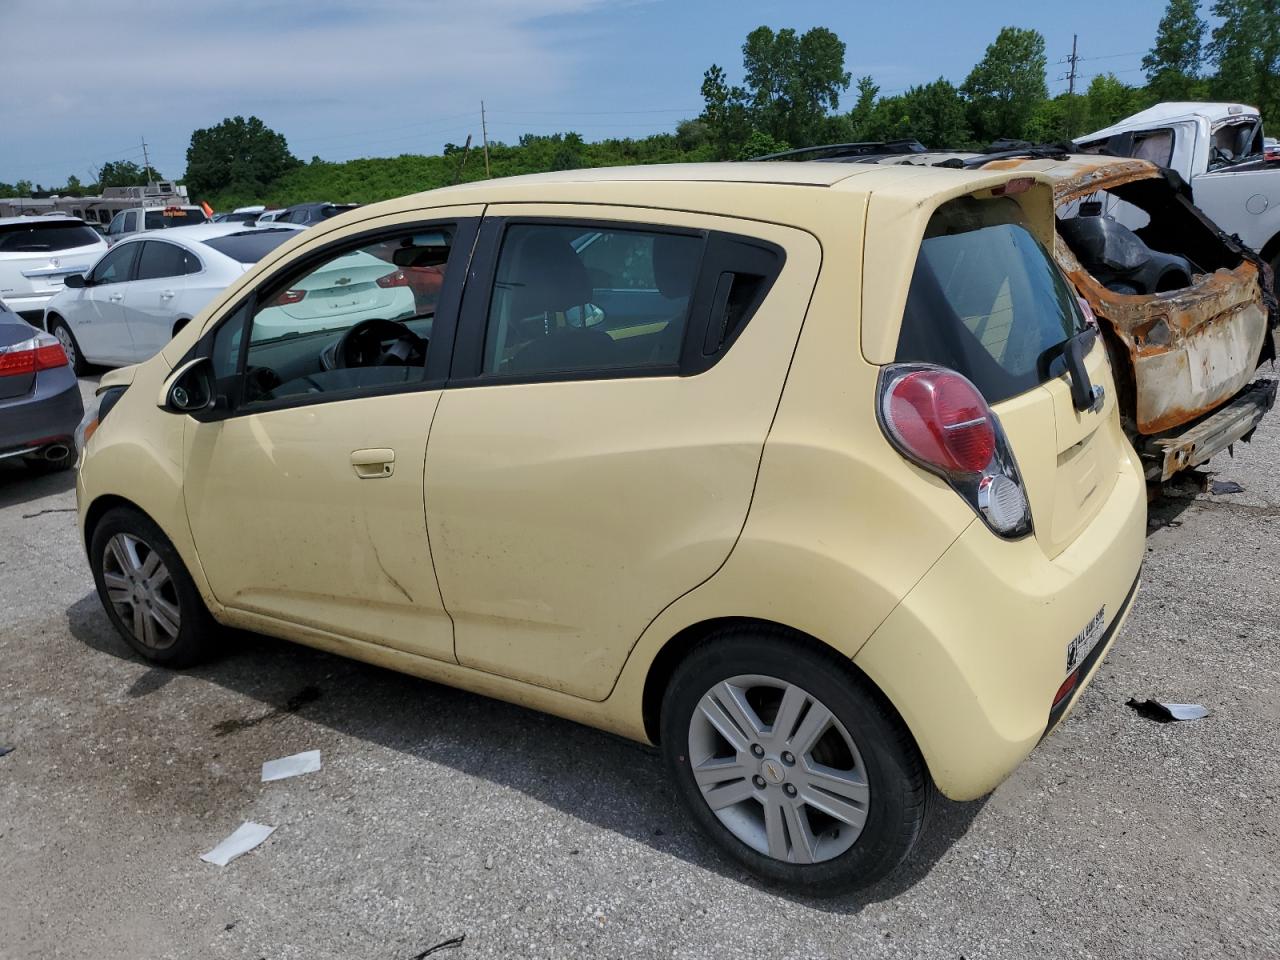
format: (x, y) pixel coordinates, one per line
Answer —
(373, 463)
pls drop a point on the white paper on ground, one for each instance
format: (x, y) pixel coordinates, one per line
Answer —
(308, 762)
(246, 837)
(1186, 711)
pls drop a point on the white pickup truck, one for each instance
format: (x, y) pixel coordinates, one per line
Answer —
(1219, 150)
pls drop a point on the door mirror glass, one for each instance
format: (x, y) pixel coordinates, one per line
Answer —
(191, 388)
(74, 280)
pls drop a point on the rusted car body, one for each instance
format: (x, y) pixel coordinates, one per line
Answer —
(1188, 313)
(1185, 354)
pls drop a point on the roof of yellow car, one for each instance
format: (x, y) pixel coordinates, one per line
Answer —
(802, 174)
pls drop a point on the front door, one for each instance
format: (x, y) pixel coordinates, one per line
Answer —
(100, 326)
(595, 455)
(306, 502)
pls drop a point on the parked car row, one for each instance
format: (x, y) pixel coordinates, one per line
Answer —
(304, 214)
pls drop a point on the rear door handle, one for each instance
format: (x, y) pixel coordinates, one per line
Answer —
(114, 297)
(167, 295)
(373, 463)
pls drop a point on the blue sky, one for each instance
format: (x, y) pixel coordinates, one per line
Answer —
(350, 78)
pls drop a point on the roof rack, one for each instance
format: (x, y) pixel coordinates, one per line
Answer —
(841, 151)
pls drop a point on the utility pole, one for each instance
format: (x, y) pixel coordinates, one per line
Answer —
(146, 159)
(1073, 60)
(466, 152)
(484, 132)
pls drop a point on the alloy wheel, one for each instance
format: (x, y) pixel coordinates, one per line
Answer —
(68, 344)
(778, 769)
(141, 590)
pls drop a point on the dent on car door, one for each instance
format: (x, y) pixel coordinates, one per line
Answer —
(594, 456)
(305, 502)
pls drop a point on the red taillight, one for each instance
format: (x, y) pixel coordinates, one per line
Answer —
(41, 352)
(940, 418)
(288, 297)
(1064, 691)
(397, 279)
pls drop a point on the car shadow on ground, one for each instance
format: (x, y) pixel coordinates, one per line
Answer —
(595, 777)
(20, 483)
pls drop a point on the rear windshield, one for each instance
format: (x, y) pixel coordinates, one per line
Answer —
(159, 219)
(987, 300)
(251, 245)
(41, 236)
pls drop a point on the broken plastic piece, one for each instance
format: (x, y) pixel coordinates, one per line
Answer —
(1168, 712)
(308, 762)
(1219, 487)
(449, 944)
(4, 750)
(246, 837)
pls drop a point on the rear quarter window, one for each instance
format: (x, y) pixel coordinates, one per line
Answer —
(987, 300)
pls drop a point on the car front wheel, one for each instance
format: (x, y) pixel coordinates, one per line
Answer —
(146, 590)
(792, 762)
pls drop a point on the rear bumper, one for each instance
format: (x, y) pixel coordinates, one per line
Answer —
(49, 413)
(1167, 455)
(973, 657)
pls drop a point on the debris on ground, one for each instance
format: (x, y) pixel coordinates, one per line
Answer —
(1220, 487)
(285, 767)
(4, 750)
(442, 945)
(247, 836)
(1168, 712)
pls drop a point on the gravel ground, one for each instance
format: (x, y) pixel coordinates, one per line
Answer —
(440, 814)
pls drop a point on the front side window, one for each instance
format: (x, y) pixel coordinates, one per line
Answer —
(351, 322)
(130, 222)
(116, 265)
(159, 260)
(572, 299)
(987, 300)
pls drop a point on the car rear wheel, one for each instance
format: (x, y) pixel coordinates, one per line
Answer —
(792, 762)
(58, 327)
(146, 590)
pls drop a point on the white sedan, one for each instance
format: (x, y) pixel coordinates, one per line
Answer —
(146, 289)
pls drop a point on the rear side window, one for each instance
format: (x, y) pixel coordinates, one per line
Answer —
(987, 300)
(160, 260)
(45, 236)
(175, 217)
(569, 299)
(130, 222)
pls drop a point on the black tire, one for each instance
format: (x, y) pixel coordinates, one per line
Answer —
(196, 632)
(72, 346)
(900, 788)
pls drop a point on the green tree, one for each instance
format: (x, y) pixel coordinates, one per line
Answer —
(1173, 64)
(793, 81)
(724, 113)
(73, 188)
(1007, 85)
(22, 188)
(122, 173)
(859, 118)
(238, 155)
(1246, 50)
(1058, 119)
(1108, 100)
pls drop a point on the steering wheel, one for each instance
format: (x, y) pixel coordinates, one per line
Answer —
(361, 345)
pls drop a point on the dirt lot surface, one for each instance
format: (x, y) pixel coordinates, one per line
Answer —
(439, 814)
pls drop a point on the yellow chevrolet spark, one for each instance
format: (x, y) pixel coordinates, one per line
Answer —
(810, 474)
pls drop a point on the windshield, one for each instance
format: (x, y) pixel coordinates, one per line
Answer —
(249, 246)
(174, 217)
(987, 300)
(43, 236)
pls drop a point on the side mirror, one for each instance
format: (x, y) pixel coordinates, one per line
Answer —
(190, 389)
(76, 280)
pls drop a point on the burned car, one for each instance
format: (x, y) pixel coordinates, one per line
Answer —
(1187, 312)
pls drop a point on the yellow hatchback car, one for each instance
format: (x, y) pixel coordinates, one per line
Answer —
(810, 474)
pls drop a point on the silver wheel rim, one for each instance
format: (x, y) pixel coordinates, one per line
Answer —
(778, 769)
(141, 590)
(68, 345)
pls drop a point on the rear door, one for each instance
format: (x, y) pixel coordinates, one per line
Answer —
(593, 459)
(161, 279)
(987, 300)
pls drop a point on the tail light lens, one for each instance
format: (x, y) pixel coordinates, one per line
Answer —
(397, 279)
(41, 352)
(288, 297)
(940, 421)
